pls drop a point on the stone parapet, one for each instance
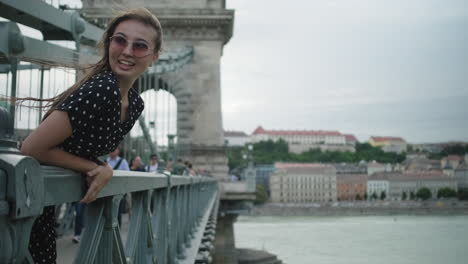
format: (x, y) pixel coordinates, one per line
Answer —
(179, 23)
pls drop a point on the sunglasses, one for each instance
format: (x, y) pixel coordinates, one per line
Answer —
(140, 48)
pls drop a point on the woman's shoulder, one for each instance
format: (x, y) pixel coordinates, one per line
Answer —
(135, 99)
(103, 83)
(106, 79)
(105, 76)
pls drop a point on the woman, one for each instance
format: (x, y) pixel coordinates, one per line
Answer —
(136, 164)
(92, 117)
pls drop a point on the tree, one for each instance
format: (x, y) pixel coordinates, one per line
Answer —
(365, 196)
(403, 196)
(412, 195)
(261, 195)
(383, 195)
(446, 192)
(269, 152)
(463, 193)
(358, 197)
(374, 196)
(235, 157)
(424, 193)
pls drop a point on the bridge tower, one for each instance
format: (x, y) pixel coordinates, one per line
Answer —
(205, 25)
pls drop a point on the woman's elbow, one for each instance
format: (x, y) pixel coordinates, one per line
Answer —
(29, 149)
(26, 149)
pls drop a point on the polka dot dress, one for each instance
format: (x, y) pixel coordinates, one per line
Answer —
(94, 113)
(42, 241)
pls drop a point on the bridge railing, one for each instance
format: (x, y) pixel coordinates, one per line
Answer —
(167, 224)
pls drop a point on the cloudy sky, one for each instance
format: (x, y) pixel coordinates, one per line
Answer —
(367, 67)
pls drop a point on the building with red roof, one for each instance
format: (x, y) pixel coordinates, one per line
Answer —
(303, 140)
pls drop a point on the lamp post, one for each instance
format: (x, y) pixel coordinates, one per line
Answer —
(171, 147)
(250, 172)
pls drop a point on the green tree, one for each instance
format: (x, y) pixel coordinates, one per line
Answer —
(410, 148)
(365, 196)
(412, 195)
(446, 192)
(269, 152)
(383, 195)
(463, 193)
(235, 160)
(374, 196)
(261, 195)
(457, 149)
(424, 193)
(358, 197)
(403, 196)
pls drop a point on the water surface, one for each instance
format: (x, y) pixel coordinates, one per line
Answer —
(358, 240)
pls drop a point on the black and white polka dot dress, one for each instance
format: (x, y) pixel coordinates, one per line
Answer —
(94, 113)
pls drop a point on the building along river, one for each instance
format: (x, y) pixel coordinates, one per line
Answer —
(357, 240)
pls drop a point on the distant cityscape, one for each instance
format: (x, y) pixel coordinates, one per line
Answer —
(418, 177)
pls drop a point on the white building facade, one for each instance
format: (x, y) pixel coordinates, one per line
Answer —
(303, 183)
(411, 182)
(303, 140)
(236, 138)
(377, 183)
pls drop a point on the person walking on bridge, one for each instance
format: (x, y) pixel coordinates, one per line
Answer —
(90, 118)
(153, 166)
(119, 163)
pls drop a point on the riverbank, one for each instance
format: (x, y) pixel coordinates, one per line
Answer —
(447, 207)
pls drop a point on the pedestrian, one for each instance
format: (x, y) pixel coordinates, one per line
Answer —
(178, 168)
(119, 163)
(153, 166)
(136, 164)
(79, 220)
(90, 118)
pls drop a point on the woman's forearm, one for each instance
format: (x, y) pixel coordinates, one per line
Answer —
(60, 158)
(42, 144)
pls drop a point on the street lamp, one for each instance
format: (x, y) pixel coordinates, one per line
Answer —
(170, 147)
(250, 155)
(249, 172)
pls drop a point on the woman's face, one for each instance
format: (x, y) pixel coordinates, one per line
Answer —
(131, 49)
(137, 161)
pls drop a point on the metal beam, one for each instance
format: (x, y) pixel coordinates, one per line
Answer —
(6, 68)
(54, 23)
(147, 134)
(171, 61)
(14, 44)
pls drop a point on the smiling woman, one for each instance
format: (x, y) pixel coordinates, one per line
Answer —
(92, 117)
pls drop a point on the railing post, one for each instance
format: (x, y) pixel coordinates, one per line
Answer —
(183, 220)
(168, 243)
(21, 196)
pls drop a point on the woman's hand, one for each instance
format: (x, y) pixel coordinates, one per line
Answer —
(97, 179)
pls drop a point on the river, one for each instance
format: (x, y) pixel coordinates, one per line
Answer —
(357, 240)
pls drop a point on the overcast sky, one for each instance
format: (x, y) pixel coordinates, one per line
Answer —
(367, 67)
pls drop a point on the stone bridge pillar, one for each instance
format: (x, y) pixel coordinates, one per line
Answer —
(206, 26)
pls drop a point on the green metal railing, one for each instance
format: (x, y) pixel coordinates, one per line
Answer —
(169, 212)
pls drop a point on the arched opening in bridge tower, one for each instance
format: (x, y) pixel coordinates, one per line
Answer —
(159, 119)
